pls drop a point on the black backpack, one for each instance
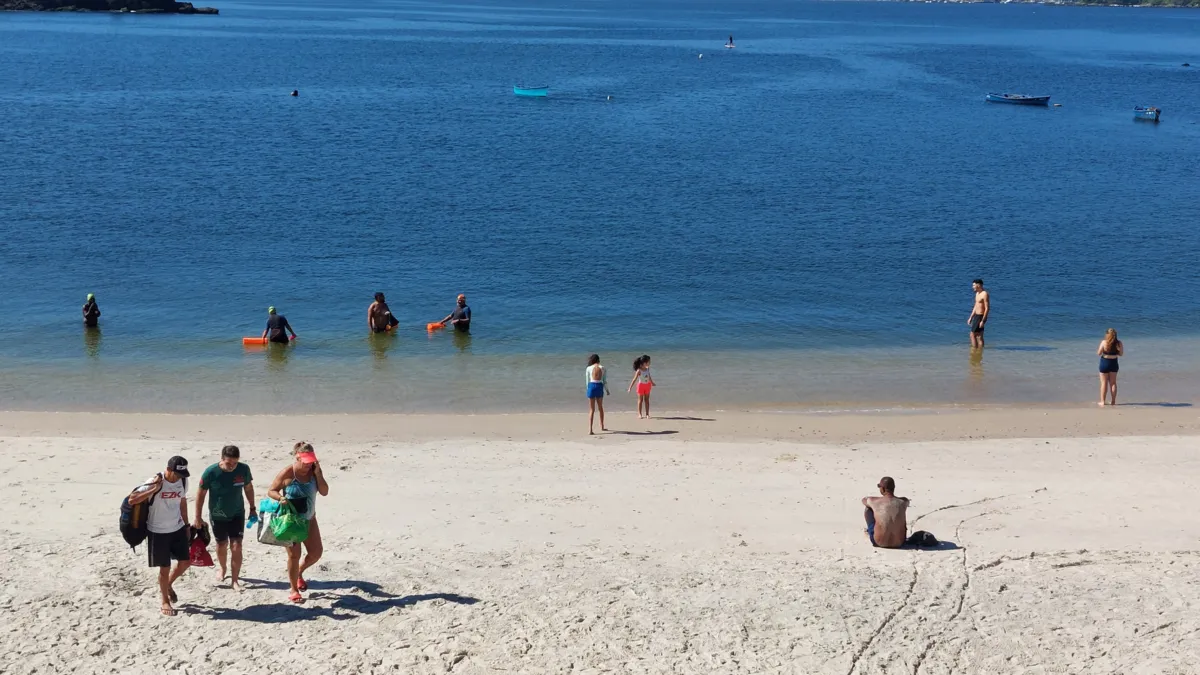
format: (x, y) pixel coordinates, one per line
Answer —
(133, 520)
(922, 539)
(134, 516)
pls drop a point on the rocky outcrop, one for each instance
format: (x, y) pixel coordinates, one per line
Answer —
(139, 6)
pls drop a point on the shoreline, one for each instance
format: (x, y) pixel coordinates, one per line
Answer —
(730, 426)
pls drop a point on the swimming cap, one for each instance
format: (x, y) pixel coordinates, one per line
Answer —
(91, 296)
(270, 310)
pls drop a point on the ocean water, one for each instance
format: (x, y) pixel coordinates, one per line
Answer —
(791, 224)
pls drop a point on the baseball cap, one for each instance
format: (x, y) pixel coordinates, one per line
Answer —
(307, 457)
(178, 465)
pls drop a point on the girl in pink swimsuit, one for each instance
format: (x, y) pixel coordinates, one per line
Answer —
(644, 382)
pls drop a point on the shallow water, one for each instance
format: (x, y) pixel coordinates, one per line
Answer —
(794, 222)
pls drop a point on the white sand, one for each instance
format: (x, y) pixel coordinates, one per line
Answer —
(682, 553)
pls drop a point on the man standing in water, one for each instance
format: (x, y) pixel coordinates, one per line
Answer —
(979, 313)
(278, 327)
(91, 312)
(886, 525)
(379, 315)
(460, 318)
(225, 482)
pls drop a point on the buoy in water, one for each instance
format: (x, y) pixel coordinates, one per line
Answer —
(295, 92)
(608, 99)
(701, 56)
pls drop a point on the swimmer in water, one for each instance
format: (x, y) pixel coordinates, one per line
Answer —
(278, 328)
(91, 312)
(379, 316)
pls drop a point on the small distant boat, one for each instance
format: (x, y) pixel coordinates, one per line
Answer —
(1019, 99)
(531, 91)
(1146, 112)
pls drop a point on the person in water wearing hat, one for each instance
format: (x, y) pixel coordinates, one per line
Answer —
(278, 327)
(91, 312)
(299, 484)
(460, 318)
(168, 537)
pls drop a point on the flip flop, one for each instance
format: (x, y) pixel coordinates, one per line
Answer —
(169, 612)
(296, 598)
(302, 584)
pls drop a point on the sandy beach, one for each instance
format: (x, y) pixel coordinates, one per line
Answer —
(702, 542)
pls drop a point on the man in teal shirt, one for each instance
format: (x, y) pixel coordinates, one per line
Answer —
(225, 482)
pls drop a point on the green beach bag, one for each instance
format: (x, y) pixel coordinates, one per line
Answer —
(289, 526)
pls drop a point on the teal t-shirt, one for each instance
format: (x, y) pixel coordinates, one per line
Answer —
(225, 500)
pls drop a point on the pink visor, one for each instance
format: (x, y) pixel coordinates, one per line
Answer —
(307, 457)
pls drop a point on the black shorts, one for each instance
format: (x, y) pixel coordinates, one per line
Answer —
(976, 323)
(224, 530)
(163, 548)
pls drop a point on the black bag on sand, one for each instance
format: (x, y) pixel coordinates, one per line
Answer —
(921, 539)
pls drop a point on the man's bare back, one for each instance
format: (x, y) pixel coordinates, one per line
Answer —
(887, 526)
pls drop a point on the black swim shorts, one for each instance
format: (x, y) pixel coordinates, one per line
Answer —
(224, 530)
(161, 549)
(976, 323)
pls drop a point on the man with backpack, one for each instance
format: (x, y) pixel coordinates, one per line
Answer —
(168, 537)
(224, 483)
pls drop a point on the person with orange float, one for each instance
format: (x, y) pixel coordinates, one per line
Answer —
(460, 318)
(298, 485)
(277, 328)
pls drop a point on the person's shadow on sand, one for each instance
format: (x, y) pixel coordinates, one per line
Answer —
(345, 605)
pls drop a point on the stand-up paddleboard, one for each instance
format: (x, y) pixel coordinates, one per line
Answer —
(259, 341)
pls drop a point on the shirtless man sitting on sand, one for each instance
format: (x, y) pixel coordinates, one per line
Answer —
(886, 525)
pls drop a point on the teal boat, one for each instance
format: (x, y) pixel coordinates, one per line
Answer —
(531, 91)
(1146, 112)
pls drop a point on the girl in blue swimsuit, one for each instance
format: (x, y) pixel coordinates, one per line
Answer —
(1109, 351)
(597, 387)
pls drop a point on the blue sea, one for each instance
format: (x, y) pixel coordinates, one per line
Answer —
(791, 224)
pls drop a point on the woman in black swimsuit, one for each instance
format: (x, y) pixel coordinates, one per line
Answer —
(1109, 351)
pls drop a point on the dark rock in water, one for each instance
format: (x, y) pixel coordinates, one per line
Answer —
(123, 6)
(1187, 65)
